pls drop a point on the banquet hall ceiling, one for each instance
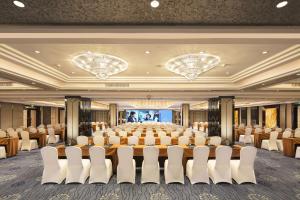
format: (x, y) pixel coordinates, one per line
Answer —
(170, 12)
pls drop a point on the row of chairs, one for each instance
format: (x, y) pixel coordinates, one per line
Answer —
(149, 140)
(199, 170)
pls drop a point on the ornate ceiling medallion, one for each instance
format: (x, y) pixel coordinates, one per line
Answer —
(192, 65)
(101, 65)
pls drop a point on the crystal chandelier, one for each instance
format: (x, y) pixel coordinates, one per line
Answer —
(192, 65)
(101, 65)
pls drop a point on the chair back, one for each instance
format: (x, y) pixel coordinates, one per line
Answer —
(125, 156)
(297, 133)
(32, 130)
(279, 130)
(215, 140)
(288, 129)
(2, 134)
(183, 140)
(200, 155)
(114, 140)
(161, 133)
(13, 134)
(200, 140)
(165, 140)
(10, 130)
(50, 157)
(98, 140)
(82, 140)
(268, 130)
(123, 134)
(175, 154)
(149, 133)
(19, 130)
(133, 140)
(25, 136)
(111, 133)
(223, 156)
(174, 134)
(273, 136)
(97, 156)
(149, 140)
(98, 133)
(150, 155)
(247, 157)
(258, 130)
(286, 134)
(42, 130)
(248, 131)
(74, 156)
(137, 134)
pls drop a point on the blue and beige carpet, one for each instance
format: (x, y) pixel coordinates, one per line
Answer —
(278, 178)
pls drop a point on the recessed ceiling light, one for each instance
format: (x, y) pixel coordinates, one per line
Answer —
(147, 52)
(154, 4)
(298, 74)
(227, 73)
(37, 52)
(263, 84)
(282, 4)
(264, 52)
(73, 72)
(224, 65)
(19, 4)
(33, 83)
(58, 65)
(148, 72)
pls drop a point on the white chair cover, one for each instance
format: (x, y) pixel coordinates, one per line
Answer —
(174, 134)
(52, 138)
(219, 169)
(82, 140)
(101, 168)
(196, 169)
(150, 165)
(149, 140)
(200, 140)
(173, 165)
(137, 134)
(78, 169)
(270, 144)
(10, 130)
(28, 144)
(123, 134)
(161, 133)
(126, 165)
(55, 170)
(243, 170)
(165, 140)
(3, 134)
(98, 140)
(286, 134)
(183, 140)
(114, 140)
(215, 140)
(133, 140)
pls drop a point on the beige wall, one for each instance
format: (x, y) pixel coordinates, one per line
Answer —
(198, 116)
(11, 115)
(100, 115)
(54, 115)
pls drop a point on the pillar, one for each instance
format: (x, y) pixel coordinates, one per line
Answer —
(260, 116)
(227, 119)
(113, 115)
(214, 117)
(185, 111)
(282, 116)
(249, 116)
(289, 115)
(85, 117)
(72, 119)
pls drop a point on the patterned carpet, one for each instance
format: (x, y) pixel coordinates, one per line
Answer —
(278, 178)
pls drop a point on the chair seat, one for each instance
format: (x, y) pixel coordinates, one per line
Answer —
(279, 145)
(265, 144)
(2, 152)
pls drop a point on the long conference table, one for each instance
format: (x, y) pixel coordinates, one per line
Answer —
(11, 145)
(111, 152)
(290, 145)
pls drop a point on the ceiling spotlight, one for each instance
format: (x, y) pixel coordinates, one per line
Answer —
(281, 4)
(147, 72)
(154, 4)
(147, 52)
(33, 83)
(58, 65)
(298, 74)
(19, 4)
(72, 72)
(37, 52)
(264, 52)
(227, 73)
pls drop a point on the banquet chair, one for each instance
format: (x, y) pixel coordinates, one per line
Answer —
(51, 137)
(165, 140)
(196, 169)
(28, 144)
(133, 140)
(137, 134)
(98, 140)
(270, 144)
(188, 133)
(32, 130)
(199, 133)
(297, 155)
(149, 140)
(101, 168)
(174, 134)
(219, 169)
(111, 133)
(286, 134)
(126, 166)
(114, 140)
(16, 135)
(82, 140)
(183, 140)
(200, 140)
(242, 170)
(149, 133)
(55, 170)
(123, 134)
(41, 130)
(288, 129)
(19, 130)
(297, 133)
(78, 169)
(97, 133)
(10, 130)
(161, 133)
(247, 138)
(268, 130)
(279, 130)
(173, 168)
(258, 130)
(215, 140)
(3, 134)
(150, 165)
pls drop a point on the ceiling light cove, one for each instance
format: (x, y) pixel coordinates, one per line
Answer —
(100, 65)
(19, 4)
(192, 65)
(154, 4)
(282, 4)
